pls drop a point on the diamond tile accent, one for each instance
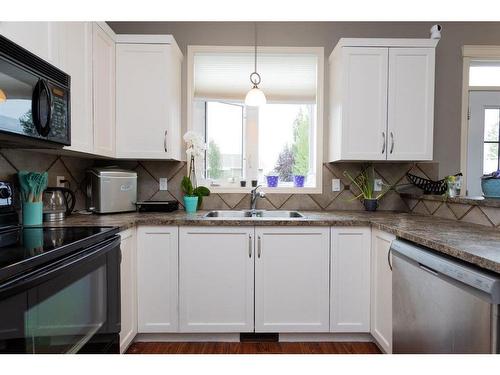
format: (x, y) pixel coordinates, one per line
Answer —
(345, 201)
(476, 216)
(444, 212)
(432, 206)
(214, 202)
(420, 208)
(493, 214)
(301, 202)
(459, 209)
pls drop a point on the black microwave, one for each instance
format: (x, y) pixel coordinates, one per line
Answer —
(34, 99)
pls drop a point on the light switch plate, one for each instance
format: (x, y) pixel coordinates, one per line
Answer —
(377, 184)
(335, 184)
(163, 183)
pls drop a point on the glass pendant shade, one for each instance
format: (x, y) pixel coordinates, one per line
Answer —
(3, 97)
(255, 98)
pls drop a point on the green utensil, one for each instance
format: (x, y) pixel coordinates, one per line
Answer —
(32, 185)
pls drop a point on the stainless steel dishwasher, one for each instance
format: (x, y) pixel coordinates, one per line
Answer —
(441, 305)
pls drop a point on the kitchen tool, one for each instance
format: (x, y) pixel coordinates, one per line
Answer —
(157, 206)
(58, 203)
(111, 189)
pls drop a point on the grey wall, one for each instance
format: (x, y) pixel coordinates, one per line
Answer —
(327, 34)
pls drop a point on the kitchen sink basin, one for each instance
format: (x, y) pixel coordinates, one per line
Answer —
(278, 214)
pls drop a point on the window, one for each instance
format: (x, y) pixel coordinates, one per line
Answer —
(484, 73)
(491, 156)
(282, 138)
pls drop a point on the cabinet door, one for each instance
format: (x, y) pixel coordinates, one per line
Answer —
(411, 104)
(350, 280)
(381, 290)
(146, 104)
(291, 279)
(157, 284)
(364, 103)
(128, 289)
(216, 279)
(73, 51)
(104, 92)
(33, 36)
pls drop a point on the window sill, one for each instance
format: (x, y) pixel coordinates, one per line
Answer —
(267, 190)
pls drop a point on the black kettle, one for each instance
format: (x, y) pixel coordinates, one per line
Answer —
(58, 202)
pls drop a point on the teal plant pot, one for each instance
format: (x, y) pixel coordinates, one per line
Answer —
(491, 187)
(32, 213)
(190, 204)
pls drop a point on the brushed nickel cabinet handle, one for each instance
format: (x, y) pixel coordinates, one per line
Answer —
(249, 245)
(383, 142)
(165, 141)
(389, 259)
(392, 143)
(259, 247)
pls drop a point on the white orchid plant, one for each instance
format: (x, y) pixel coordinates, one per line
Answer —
(195, 148)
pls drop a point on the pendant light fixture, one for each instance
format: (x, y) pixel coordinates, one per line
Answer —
(255, 97)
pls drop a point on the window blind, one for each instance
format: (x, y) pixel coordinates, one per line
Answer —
(286, 77)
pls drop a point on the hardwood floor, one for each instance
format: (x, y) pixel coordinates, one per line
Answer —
(253, 348)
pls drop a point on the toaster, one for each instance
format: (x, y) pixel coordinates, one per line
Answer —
(110, 190)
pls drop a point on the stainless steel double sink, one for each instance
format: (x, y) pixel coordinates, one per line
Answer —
(278, 214)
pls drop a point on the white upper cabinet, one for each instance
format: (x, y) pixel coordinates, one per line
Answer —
(410, 104)
(216, 279)
(291, 279)
(34, 36)
(72, 49)
(382, 99)
(358, 103)
(148, 92)
(350, 280)
(104, 90)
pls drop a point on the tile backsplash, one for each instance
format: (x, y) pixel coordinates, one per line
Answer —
(149, 173)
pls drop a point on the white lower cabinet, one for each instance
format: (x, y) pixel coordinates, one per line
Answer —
(291, 279)
(216, 279)
(157, 283)
(350, 279)
(128, 288)
(381, 289)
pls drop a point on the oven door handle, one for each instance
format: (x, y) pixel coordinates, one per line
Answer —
(46, 273)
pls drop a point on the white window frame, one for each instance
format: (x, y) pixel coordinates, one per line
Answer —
(319, 52)
(469, 54)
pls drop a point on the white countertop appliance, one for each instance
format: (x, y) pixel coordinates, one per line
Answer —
(111, 189)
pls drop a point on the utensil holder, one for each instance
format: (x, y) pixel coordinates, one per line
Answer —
(32, 213)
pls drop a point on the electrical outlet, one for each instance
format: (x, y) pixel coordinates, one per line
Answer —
(163, 183)
(377, 184)
(335, 184)
(60, 181)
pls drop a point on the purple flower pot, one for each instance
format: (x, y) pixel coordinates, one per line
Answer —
(272, 181)
(298, 180)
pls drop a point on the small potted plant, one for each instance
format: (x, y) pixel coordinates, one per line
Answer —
(193, 194)
(365, 182)
(272, 180)
(299, 176)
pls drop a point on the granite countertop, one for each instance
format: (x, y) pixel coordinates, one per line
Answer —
(472, 243)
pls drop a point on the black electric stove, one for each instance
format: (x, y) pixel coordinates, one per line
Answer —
(59, 287)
